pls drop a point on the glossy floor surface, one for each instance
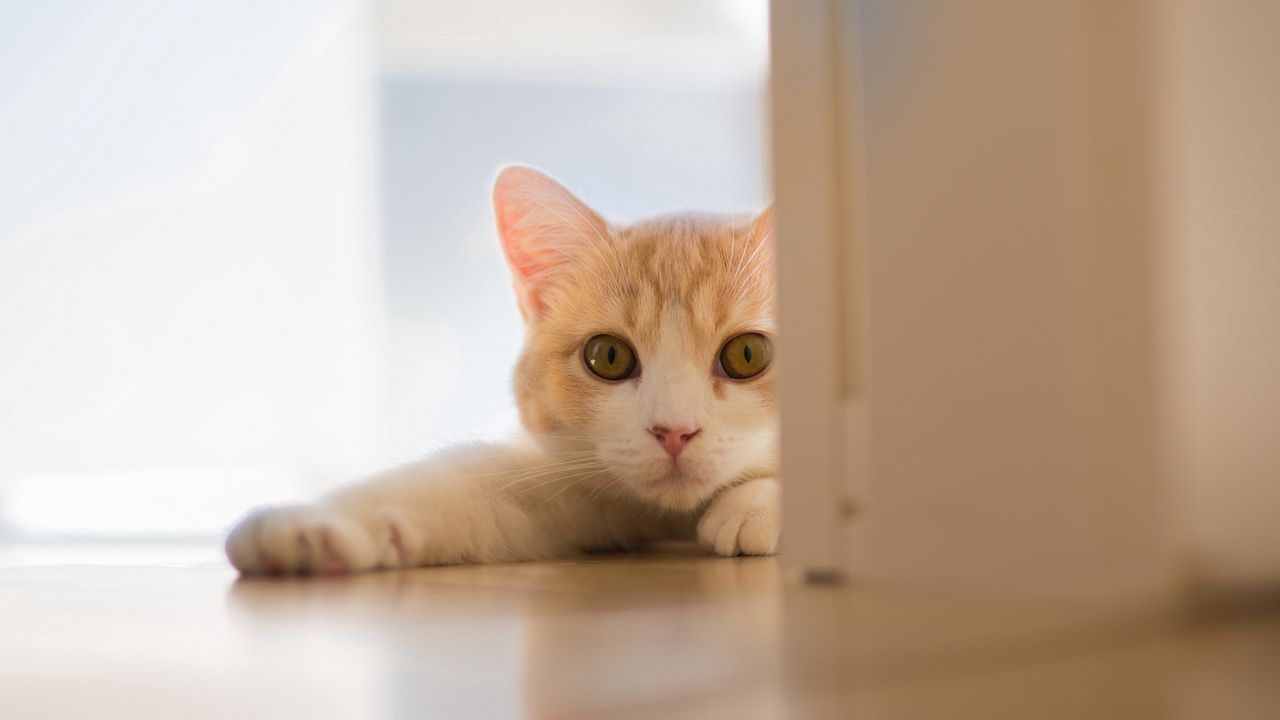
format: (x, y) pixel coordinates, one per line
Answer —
(666, 635)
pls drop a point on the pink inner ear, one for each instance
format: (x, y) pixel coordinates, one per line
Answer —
(510, 215)
(543, 228)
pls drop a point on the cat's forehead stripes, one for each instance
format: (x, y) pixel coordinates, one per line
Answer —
(705, 267)
(677, 254)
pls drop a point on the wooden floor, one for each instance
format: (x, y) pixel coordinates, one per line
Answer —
(668, 635)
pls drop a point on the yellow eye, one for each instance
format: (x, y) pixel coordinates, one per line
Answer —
(746, 356)
(609, 357)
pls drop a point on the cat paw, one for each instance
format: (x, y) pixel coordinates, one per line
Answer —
(744, 520)
(299, 541)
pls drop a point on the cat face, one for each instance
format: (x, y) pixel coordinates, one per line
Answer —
(649, 345)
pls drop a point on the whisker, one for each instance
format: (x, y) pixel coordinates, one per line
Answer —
(584, 478)
(622, 489)
(558, 436)
(538, 468)
(507, 482)
(588, 472)
(514, 453)
(546, 471)
(600, 490)
(759, 245)
(746, 280)
(742, 257)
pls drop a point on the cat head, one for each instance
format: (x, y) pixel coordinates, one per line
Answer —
(649, 346)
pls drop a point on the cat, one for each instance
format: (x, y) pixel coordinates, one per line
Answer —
(646, 386)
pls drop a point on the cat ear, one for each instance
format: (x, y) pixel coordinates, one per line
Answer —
(543, 229)
(762, 227)
(761, 240)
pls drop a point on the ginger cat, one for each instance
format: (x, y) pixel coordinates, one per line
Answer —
(646, 385)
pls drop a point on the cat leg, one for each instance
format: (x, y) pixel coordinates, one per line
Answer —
(317, 539)
(459, 507)
(745, 519)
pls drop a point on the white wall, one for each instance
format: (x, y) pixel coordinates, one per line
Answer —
(188, 283)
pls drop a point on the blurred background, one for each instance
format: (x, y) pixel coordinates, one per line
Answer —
(246, 250)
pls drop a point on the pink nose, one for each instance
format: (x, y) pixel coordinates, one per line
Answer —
(674, 439)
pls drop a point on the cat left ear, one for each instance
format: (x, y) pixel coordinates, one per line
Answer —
(543, 229)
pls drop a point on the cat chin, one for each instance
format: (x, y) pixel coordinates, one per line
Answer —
(678, 492)
(679, 501)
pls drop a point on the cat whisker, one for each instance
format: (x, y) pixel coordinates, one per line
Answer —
(556, 436)
(544, 471)
(613, 480)
(587, 473)
(759, 245)
(741, 257)
(538, 469)
(622, 489)
(541, 480)
(584, 478)
(516, 455)
(745, 283)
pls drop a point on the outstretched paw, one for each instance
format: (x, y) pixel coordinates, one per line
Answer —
(299, 541)
(743, 520)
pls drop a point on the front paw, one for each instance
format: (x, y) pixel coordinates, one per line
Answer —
(300, 540)
(744, 520)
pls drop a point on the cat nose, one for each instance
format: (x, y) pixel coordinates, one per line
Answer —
(674, 439)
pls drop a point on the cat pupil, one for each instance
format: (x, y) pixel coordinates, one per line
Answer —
(613, 355)
(746, 353)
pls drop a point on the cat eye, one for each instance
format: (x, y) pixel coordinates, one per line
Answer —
(609, 357)
(746, 356)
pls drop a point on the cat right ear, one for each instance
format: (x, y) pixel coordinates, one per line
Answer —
(544, 230)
